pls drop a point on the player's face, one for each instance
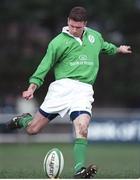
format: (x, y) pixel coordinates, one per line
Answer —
(76, 28)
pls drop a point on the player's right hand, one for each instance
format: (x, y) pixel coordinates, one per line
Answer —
(28, 94)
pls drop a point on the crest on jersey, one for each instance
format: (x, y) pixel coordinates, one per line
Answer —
(91, 38)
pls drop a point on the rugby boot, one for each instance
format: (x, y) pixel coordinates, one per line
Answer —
(86, 173)
(14, 122)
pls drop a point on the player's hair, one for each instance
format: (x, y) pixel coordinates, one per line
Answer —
(78, 13)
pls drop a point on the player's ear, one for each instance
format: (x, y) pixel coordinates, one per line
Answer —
(85, 23)
(68, 20)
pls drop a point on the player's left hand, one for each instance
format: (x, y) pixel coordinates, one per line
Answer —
(124, 49)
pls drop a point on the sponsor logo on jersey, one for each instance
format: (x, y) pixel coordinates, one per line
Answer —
(83, 57)
(82, 60)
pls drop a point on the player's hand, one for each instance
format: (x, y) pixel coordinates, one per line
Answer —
(124, 49)
(28, 94)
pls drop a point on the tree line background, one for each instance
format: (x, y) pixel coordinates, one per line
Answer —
(27, 26)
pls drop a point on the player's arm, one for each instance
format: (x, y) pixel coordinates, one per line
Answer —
(37, 79)
(111, 49)
(124, 49)
(45, 65)
(29, 93)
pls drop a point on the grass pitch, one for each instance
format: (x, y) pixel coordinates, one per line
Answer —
(113, 160)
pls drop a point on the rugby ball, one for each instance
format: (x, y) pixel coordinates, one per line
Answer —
(53, 163)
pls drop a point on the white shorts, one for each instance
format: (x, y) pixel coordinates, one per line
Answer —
(67, 95)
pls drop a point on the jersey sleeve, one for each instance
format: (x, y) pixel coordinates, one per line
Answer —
(45, 65)
(108, 48)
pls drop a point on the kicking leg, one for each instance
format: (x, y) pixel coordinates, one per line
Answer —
(32, 125)
(37, 124)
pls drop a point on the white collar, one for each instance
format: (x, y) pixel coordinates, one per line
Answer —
(66, 30)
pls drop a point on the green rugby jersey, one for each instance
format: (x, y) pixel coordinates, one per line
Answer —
(73, 58)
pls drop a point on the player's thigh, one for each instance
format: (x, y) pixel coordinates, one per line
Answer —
(81, 124)
(38, 122)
